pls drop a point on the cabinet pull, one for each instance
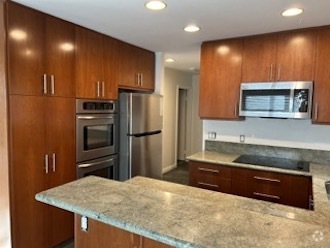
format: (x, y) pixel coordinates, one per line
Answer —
(138, 78)
(54, 162)
(316, 112)
(267, 179)
(102, 88)
(46, 164)
(279, 73)
(266, 195)
(236, 110)
(271, 73)
(207, 184)
(311, 203)
(45, 83)
(208, 170)
(52, 84)
(141, 81)
(98, 88)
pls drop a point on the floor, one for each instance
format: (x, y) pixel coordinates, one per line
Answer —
(178, 175)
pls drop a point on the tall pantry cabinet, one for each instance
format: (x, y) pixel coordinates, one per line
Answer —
(41, 96)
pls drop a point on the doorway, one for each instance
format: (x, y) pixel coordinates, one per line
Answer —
(182, 114)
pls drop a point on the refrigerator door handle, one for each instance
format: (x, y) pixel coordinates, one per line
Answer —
(145, 134)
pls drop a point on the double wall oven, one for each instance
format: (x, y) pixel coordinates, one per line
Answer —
(97, 138)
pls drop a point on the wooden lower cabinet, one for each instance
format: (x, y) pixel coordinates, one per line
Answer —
(292, 190)
(103, 235)
(209, 176)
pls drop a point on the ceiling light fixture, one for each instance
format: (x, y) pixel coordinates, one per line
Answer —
(292, 12)
(191, 28)
(170, 60)
(155, 5)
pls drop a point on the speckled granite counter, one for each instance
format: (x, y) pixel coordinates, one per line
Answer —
(183, 216)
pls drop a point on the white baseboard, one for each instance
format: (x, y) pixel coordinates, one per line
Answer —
(169, 168)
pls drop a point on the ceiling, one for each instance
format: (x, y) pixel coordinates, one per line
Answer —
(162, 31)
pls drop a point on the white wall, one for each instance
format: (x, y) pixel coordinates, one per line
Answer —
(173, 80)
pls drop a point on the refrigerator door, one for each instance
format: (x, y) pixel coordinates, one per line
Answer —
(146, 156)
(145, 113)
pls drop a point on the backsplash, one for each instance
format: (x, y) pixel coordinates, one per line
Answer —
(313, 156)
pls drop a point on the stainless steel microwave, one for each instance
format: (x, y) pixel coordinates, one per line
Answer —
(292, 99)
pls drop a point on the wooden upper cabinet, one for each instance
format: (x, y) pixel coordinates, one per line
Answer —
(220, 78)
(95, 66)
(322, 78)
(296, 55)
(40, 53)
(259, 58)
(285, 56)
(25, 50)
(137, 68)
(59, 51)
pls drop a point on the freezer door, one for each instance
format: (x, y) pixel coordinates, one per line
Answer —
(146, 113)
(146, 156)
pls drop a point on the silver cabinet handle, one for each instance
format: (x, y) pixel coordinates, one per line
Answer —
(311, 202)
(94, 117)
(102, 88)
(138, 79)
(236, 110)
(208, 170)
(46, 164)
(98, 88)
(316, 112)
(52, 84)
(267, 179)
(266, 195)
(271, 73)
(54, 162)
(207, 184)
(279, 73)
(141, 81)
(45, 83)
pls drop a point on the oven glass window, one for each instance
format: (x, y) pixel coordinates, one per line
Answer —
(105, 173)
(98, 136)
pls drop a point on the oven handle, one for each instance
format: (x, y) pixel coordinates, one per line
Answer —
(95, 163)
(93, 117)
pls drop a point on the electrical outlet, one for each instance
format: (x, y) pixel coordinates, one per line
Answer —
(212, 135)
(242, 138)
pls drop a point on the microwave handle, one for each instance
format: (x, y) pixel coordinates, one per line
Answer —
(95, 163)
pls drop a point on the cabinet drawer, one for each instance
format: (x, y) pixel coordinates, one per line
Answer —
(210, 169)
(211, 183)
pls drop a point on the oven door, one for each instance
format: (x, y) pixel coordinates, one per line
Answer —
(105, 167)
(96, 135)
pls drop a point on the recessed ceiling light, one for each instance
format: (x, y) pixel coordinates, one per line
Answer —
(191, 28)
(170, 60)
(155, 5)
(292, 12)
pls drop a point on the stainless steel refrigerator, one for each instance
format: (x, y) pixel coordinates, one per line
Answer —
(140, 142)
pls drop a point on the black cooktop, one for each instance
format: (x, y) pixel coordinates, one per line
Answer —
(283, 163)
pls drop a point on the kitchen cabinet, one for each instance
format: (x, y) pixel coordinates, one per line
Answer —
(284, 56)
(220, 78)
(95, 67)
(137, 68)
(321, 103)
(281, 188)
(99, 234)
(42, 156)
(40, 53)
(210, 176)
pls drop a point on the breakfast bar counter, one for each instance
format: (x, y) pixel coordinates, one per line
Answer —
(183, 216)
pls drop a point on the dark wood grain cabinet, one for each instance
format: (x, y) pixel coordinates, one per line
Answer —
(42, 138)
(137, 68)
(99, 234)
(210, 176)
(40, 53)
(292, 190)
(220, 78)
(96, 66)
(321, 102)
(285, 56)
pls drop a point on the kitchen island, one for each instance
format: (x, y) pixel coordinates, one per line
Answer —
(183, 216)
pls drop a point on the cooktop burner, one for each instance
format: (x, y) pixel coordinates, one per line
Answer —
(283, 163)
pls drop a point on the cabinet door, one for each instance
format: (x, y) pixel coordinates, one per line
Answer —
(220, 79)
(128, 77)
(259, 58)
(89, 63)
(296, 55)
(25, 50)
(59, 58)
(146, 68)
(110, 78)
(322, 78)
(27, 138)
(60, 138)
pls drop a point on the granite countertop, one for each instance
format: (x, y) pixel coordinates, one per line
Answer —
(184, 216)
